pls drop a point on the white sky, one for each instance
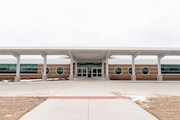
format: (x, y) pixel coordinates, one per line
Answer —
(90, 23)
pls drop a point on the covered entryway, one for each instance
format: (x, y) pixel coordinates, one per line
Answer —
(89, 70)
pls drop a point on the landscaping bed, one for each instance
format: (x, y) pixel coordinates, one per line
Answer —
(12, 108)
(162, 107)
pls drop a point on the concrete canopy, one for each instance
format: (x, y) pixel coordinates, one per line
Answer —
(90, 54)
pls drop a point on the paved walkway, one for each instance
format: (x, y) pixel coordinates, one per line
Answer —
(87, 100)
(88, 109)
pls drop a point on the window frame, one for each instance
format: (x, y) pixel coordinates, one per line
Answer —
(116, 68)
(129, 69)
(59, 73)
(46, 70)
(169, 69)
(148, 70)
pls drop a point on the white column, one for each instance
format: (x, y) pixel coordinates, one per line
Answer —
(75, 68)
(17, 77)
(71, 70)
(159, 76)
(107, 69)
(133, 76)
(102, 70)
(44, 77)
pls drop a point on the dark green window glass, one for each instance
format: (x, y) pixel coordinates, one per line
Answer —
(7, 68)
(118, 70)
(60, 70)
(145, 70)
(47, 70)
(28, 68)
(24, 68)
(170, 69)
(130, 70)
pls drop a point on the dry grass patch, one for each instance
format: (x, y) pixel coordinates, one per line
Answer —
(12, 108)
(163, 107)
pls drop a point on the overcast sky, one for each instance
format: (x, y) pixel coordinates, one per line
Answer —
(90, 23)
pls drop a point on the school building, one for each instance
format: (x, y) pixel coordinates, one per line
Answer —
(91, 63)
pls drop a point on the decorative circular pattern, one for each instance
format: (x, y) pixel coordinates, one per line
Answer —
(60, 70)
(118, 70)
(47, 70)
(130, 70)
(145, 70)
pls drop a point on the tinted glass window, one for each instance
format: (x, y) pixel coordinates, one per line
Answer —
(60, 70)
(47, 70)
(170, 69)
(24, 68)
(145, 70)
(130, 70)
(118, 70)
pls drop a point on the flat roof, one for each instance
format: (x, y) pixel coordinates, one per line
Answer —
(89, 53)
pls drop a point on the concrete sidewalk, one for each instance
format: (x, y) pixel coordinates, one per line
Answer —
(87, 100)
(88, 109)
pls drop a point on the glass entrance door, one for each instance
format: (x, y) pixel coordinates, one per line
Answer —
(82, 72)
(96, 72)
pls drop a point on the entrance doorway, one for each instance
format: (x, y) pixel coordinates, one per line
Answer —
(82, 72)
(96, 72)
(89, 70)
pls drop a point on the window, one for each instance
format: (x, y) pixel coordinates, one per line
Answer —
(28, 68)
(170, 69)
(118, 70)
(7, 68)
(60, 70)
(130, 70)
(24, 68)
(145, 70)
(47, 70)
